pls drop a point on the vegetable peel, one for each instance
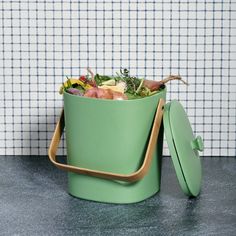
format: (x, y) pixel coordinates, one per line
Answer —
(122, 86)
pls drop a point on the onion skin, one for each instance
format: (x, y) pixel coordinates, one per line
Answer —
(119, 96)
(155, 85)
(152, 85)
(105, 94)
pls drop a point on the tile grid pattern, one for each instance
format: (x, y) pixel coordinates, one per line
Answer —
(44, 41)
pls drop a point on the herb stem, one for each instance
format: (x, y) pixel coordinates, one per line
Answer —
(139, 87)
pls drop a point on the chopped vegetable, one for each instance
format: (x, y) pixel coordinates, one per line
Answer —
(75, 91)
(110, 82)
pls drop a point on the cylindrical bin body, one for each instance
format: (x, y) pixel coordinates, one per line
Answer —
(111, 136)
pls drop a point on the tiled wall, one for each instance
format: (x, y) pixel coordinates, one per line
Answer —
(42, 42)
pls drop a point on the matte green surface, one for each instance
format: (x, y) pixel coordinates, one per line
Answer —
(111, 136)
(183, 148)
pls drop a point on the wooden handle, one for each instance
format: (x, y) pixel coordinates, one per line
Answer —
(108, 175)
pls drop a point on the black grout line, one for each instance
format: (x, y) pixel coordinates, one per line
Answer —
(40, 39)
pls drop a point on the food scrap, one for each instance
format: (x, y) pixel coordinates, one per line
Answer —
(119, 87)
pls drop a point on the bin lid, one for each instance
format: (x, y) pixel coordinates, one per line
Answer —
(183, 147)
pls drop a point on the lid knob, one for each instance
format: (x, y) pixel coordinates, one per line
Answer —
(197, 144)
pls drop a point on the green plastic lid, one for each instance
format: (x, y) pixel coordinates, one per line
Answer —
(184, 147)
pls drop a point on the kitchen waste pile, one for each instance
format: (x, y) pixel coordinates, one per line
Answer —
(122, 86)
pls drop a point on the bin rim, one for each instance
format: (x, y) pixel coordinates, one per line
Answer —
(163, 91)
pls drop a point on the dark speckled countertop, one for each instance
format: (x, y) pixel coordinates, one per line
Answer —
(34, 201)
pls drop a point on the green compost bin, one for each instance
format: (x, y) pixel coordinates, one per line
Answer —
(112, 136)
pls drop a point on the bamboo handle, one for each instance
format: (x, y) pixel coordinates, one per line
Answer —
(140, 173)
